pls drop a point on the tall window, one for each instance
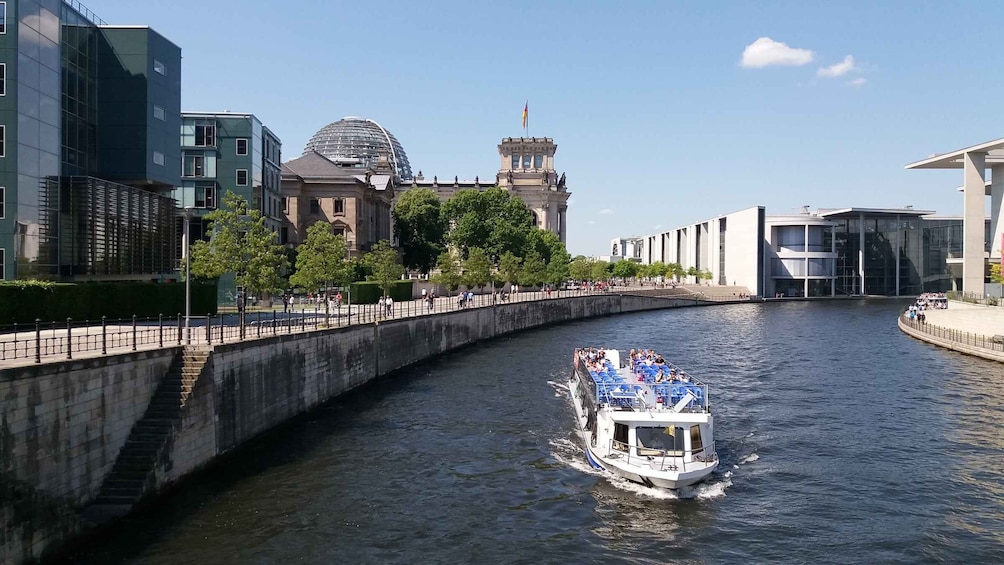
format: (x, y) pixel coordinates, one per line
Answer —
(158, 113)
(194, 166)
(3, 264)
(3, 199)
(339, 231)
(205, 135)
(538, 161)
(3, 79)
(242, 177)
(159, 67)
(339, 205)
(526, 160)
(3, 141)
(283, 235)
(315, 206)
(515, 161)
(285, 204)
(205, 196)
(242, 146)
(3, 21)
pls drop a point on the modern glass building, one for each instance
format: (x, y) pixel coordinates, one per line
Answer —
(227, 152)
(362, 139)
(89, 115)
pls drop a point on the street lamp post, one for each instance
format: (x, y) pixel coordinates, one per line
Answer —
(188, 273)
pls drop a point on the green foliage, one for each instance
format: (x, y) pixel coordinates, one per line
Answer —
(692, 272)
(626, 269)
(534, 271)
(707, 275)
(581, 268)
(598, 271)
(995, 273)
(491, 219)
(23, 301)
(676, 270)
(509, 267)
(419, 227)
(557, 266)
(449, 274)
(242, 245)
(320, 260)
(477, 268)
(382, 259)
(369, 292)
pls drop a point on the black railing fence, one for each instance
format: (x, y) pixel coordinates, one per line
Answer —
(992, 343)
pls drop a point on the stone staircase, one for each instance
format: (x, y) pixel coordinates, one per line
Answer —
(133, 471)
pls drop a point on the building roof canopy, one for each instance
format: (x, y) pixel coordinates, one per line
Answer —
(886, 212)
(954, 159)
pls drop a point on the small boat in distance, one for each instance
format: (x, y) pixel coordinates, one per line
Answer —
(644, 420)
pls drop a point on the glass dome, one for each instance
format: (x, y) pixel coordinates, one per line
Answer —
(361, 139)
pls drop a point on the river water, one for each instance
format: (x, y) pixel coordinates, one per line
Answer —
(841, 440)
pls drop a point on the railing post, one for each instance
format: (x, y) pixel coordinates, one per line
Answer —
(38, 340)
(69, 338)
(134, 332)
(273, 322)
(104, 335)
(179, 328)
(209, 329)
(160, 326)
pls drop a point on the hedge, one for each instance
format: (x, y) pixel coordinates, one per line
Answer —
(368, 292)
(23, 301)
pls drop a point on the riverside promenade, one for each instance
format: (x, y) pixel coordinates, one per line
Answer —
(59, 341)
(963, 327)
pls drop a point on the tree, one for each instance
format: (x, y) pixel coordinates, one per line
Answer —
(534, 269)
(382, 258)
(419, 227)
(240, 244)
(580, 268)
(692, 272)
(676, 270)
(626, 269)
(477, 268)
(509, 268)
(320, 259)
(599, 271)
(448, 275)
(491, 219)
(557, 268)
(707, 275)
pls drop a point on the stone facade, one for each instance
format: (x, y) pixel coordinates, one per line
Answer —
(356, 202)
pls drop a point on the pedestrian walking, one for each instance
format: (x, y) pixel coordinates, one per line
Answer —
(389, 303)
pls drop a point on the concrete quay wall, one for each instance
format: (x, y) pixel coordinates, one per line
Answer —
(61, 428)
(64, 423)
(958, 346)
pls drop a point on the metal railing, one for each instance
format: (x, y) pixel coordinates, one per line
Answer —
(992, 343)
(668, 460)
(56, 340)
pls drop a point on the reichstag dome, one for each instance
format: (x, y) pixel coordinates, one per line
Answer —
(359, 138)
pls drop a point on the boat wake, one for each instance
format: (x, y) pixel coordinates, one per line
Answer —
(560, 389)
(571, 454)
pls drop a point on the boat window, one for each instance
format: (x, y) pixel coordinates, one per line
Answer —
(696, 445)
(620, 437)
(656, 441)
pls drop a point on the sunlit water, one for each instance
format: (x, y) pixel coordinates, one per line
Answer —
(841, 440)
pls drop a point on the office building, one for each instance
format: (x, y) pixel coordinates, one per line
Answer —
(89, 115)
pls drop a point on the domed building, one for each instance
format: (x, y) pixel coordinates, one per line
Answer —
(359, 138)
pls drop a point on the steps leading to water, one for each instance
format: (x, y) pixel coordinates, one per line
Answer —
(133, 471)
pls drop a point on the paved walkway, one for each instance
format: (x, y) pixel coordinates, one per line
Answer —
(973, 318)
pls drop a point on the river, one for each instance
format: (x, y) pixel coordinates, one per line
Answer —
(840, 438)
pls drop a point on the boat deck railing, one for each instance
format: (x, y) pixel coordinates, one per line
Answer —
(662, 459)
(640, 387)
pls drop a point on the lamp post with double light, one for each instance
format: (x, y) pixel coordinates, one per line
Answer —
(187, 212)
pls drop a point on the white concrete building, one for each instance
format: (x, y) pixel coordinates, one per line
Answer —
(626, 248)
(974, 162)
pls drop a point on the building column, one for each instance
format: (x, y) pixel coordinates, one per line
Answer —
(833, 261)
(973, 222)
(899, 236)
(996, 207)
(861, 254)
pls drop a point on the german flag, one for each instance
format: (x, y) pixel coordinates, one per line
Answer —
(526, 109)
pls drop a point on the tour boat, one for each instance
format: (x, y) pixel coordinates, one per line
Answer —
(644, 420)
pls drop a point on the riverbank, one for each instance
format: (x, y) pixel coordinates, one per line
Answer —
(85, 440)
(971, 329)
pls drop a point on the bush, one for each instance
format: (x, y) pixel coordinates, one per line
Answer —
(23, 301)
(368, 292)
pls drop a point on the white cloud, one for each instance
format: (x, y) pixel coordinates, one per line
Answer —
(606, 212)
(860, 81)
(591, 222)
(765, 52)
(838, 69)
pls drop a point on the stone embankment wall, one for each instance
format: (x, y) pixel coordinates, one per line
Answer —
(961, 347)
(63, 424)
(61, 428)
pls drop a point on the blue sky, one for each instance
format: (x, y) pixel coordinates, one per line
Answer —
(658, 121)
